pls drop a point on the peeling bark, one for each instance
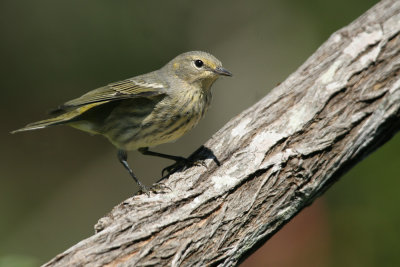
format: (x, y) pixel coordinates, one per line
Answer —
(275, 158)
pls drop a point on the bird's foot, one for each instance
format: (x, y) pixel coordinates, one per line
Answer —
(181, 164)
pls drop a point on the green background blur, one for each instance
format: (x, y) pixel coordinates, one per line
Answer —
(56, 183)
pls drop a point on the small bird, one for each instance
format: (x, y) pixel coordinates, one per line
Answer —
(146, 110)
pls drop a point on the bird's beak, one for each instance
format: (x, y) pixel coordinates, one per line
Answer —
(222, 71)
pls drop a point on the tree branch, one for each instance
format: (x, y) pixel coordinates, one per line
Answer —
(275, 158)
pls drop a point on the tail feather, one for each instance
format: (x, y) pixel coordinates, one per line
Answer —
(43, 124)
(63, 118)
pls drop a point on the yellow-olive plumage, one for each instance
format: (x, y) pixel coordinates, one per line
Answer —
(146, 110)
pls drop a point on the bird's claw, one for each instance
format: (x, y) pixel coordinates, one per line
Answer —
(181, 165)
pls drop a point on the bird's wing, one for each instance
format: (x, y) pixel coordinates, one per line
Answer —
(130, 88)
(119, 90)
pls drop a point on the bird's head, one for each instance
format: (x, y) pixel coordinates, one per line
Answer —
(197, 67)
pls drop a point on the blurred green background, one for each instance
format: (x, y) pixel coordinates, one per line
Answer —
(56, 183)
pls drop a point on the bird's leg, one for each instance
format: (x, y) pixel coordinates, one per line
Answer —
(122, 157)
(180, 162)
(146, 151)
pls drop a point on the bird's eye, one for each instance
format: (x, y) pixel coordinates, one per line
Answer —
(198, 63)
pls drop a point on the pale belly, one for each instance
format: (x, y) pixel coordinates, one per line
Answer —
(162, 126)
(177, 130)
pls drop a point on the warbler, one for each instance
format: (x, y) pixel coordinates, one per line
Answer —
(146, 110)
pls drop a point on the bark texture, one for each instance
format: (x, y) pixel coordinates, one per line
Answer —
(275, 158)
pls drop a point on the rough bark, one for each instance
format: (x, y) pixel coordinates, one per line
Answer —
(275, 158)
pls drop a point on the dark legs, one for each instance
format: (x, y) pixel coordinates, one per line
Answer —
(181, 162)
(122, 157)
(146, 151)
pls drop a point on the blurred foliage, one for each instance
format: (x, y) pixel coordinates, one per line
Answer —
(18, 261)
(56, 183)
(364, 211)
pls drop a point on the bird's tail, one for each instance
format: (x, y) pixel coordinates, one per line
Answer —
(62, 119)
(66, 117)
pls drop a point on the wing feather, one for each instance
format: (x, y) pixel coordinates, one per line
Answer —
(125, 89)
